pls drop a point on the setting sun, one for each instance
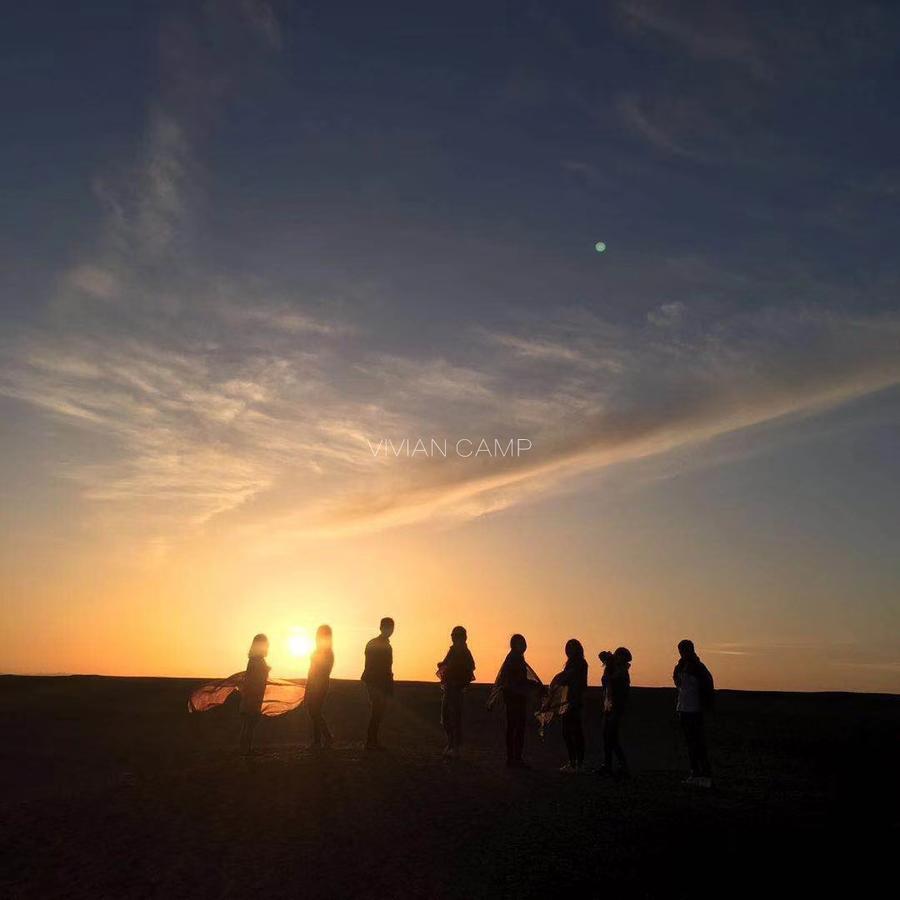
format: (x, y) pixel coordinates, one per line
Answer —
(300, 643)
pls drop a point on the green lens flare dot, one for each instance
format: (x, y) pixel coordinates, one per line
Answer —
(600, 247)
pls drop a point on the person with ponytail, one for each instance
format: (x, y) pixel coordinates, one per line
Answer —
(616, 684)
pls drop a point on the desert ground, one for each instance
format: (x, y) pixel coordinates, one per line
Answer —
(111, 789)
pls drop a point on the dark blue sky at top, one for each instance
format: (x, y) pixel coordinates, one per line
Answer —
(488, 144)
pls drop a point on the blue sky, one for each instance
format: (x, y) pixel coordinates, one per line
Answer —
(242, 239)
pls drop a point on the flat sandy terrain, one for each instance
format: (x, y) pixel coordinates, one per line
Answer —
(111, 789)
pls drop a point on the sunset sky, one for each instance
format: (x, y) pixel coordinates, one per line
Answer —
(242, 242)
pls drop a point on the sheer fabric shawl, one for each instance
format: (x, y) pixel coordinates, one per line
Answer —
(280, 697)
(497, 689)
(555, 703)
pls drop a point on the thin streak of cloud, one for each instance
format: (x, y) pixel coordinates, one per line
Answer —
(703, 130)
(693, 398)
(263, 20)
(148, 203)
(282, 317)
(639, 120)
(536, 349)
(890, 666)
(715, 32)
(94, 281)
(666, 315)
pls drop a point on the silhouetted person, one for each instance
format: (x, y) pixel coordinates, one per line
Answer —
(574, 676)
(616, 683)
(517, 680)
(456, 671)
(253, 689)
(696, 695)
(378, 676)
(317, 681)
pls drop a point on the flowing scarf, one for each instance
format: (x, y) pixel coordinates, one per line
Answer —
(555, 703)
(280, 697)
(499, 684)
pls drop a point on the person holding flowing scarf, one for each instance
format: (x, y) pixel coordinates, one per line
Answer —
(515, 681)
(259, 694)
(456, 671)
(253, 690)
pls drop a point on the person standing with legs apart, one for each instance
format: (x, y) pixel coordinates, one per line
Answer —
(378, 677)
(574, 676)
(317, 681)
(696, 695)
(253, 690)
(616, 683)
(456, 671)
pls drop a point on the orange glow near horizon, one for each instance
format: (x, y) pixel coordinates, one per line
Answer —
(194, 614)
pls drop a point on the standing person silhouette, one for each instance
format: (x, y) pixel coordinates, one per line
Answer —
(574, 676)
(317, 682)
(253, 689)
(456, 671)
(616, 683)
(516, 680)
(378, 677)
(696, 695)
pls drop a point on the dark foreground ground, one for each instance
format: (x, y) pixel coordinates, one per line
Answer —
(110, 789)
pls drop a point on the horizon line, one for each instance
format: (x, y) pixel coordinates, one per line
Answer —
(435, 683)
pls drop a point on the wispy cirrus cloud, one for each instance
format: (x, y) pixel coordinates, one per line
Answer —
(220, 399)
(668, 393)
(707, 31)
(677, 126)
(207, 57)
(288, 416)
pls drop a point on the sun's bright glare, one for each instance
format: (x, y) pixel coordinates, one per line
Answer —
(300, 643)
